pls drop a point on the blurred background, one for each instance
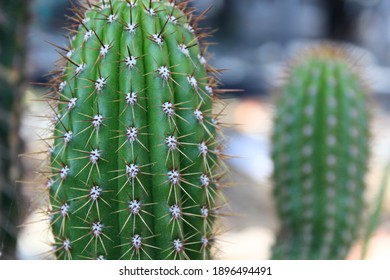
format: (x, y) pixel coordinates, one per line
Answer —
(254, 39)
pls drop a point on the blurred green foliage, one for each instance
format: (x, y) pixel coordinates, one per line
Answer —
(13, 41)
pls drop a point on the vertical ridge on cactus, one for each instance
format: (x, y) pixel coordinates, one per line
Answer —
(133, 164)
(320, 154)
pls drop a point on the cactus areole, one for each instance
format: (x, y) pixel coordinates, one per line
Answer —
(320, 154)
(134, 166)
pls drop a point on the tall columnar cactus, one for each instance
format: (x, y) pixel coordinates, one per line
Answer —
(13, 25)
(134, 170)
(320, 153)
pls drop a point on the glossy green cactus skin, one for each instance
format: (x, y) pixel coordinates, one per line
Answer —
(320, 154)
(134, 162)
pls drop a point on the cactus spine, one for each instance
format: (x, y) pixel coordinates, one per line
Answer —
(320, 154)
(134, 164)
(13, 25)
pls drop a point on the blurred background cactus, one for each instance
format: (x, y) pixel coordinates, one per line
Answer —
(320, 155)
(13, 45)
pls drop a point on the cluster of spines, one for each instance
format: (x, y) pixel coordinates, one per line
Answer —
(135, 157)
(320, 155)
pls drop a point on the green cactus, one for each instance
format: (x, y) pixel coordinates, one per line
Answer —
(134, 170)
(13, 25)
(320, 154)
